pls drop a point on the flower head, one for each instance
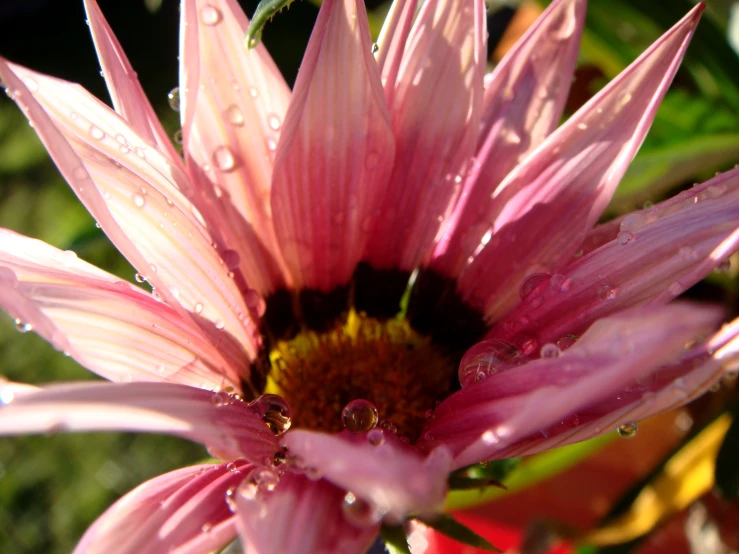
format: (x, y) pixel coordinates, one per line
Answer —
(281, 249)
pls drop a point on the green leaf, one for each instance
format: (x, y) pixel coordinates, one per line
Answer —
(395, 539)
(447, 525)
(727, 461)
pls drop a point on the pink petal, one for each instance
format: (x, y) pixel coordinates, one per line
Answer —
(226, 425)
(137, 197)
(668, 387)
(436, 116)
(489, 416)
(301, 516)
(523, 104)
(233, 101)
(335, 154)
(658, 253)
(169, 513)
(392, 42)
(125, 90)
(545, 207)
(109, 326)
(392, 477)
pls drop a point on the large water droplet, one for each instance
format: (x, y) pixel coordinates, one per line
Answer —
(559, 283)
(358, 512)
(376, 437)
(210, 15)
(487, 358)
(625, 237)
(274, 411)
(224, 159)
(173, 97)
(259, 479)
(550, 350)
(627, 430)
(359, 415)
(234, 115)
(531, 282)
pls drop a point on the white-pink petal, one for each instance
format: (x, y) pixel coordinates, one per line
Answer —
(546, 206)
(224, 424)
(435, 112)
(506, 406)
(233, 103)
(335, 154)
(139, 199)
(300, 516)
(523, 103)
(170, 513)
(653, 256)
(125, 90)
(395, 479)
(109, 326)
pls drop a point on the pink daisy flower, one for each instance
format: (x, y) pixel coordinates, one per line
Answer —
(281, 249)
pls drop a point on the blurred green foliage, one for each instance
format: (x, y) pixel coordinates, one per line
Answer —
(52, 488)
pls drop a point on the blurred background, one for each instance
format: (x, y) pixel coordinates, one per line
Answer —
(659, 491)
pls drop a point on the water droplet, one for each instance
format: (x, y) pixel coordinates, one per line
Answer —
(231, 258)
(231, 466)
(375, 47)
(21, 326)
(219, 324)
(230, 500)
(139, 278)
(550, 350)
(253, 92)
(271, 144)
(358, 512)
(627, 430)
(224, 159)
(486, 358)
(582, 126)
(140, 152)
(675, 288)
(234, 115)
(532, 282)
(69, 258)
(178, 136)
(220, 398)
(138, 200)
(274, 122)
(359, 415)
(210, 15)
(688, 253)
(625, 237)
(559, 283)
(274, 411)
(259, 479)
(724, 266)
(376, 437)
(173, 97)
(6, 395)
(565, 342)
(388, 426)
(96, 132)
(607, 292)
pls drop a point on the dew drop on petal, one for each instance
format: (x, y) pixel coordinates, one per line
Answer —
(271, 144)
(274, 122)
(625, 237)
(253, 92)
(550, 350)
(230, 500)
(566, 342)
(359, 415)
(138, 200)
(173, 97)
(627, 430)
(358, 512)
(96, 132)
(376, 437)
(178, 136)
(219, 324)
(139, 278)
(607, 292)
(210, 15)
(531, 282)
(234, 115)
(375, 48)
(231, 466)
(488, 357)
(224, 159)
(6, 395)
(21, 326)
(231, 258)
(274, 411)
(220, 398)
(259, 479)
(559, 283)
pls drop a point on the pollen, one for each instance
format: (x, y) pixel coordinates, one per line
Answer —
(403, 373)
